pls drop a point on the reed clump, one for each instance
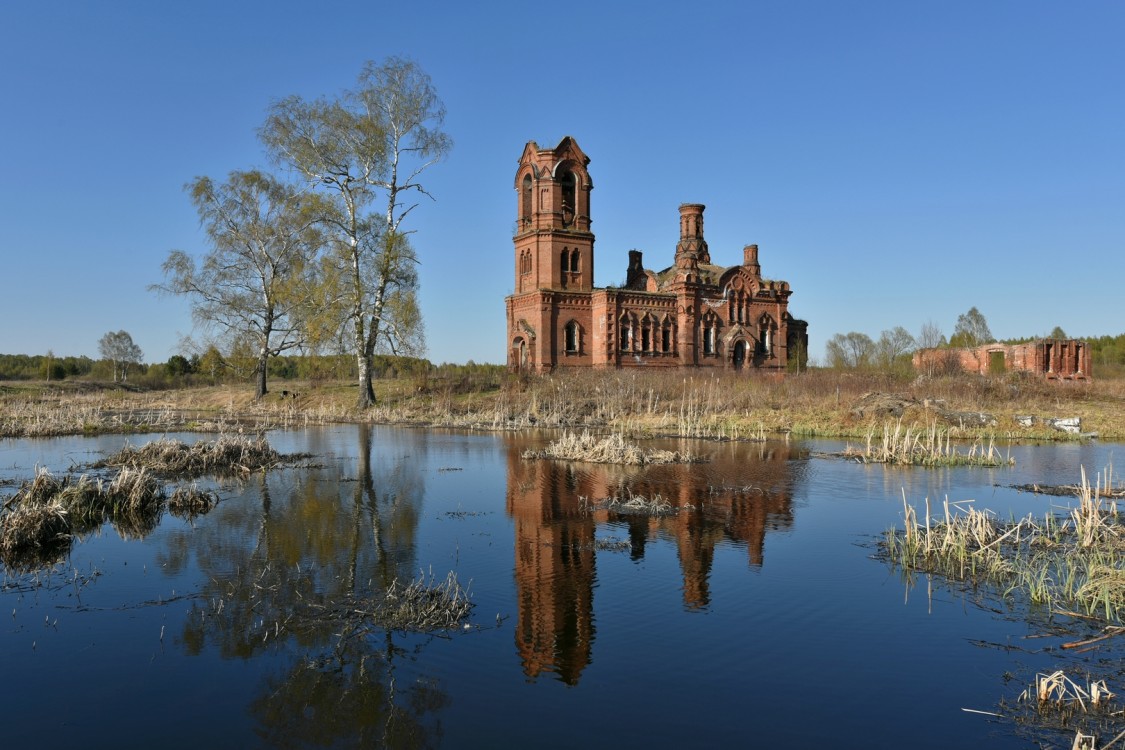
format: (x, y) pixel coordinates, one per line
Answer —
(930, 446)
(191, 501)
(1062, 704)
(38, 523)
(34, 535)
(423, 605)
(611, 449)
(227, 455)
(1073, 559)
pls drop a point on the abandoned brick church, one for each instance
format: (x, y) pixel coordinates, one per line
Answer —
(691, 314)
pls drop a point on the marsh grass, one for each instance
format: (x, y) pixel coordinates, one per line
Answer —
(423, 605)
(1062, 704)
(930, 446)
(611, 449)
(38, 523)
(1073, 558)
(227, 455)
(191, 501)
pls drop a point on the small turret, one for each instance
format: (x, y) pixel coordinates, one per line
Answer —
(750, 260)
(691, 236)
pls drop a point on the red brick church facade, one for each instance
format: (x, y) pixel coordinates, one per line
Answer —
(691, 314)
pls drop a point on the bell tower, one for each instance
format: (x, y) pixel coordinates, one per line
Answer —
(554, 247)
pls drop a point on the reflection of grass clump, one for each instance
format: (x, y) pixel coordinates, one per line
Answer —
(223, 456)
(1072, 559)
(612, 449)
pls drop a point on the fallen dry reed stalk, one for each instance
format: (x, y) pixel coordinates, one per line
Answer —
(611, 449)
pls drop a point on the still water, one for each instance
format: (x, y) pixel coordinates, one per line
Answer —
(759, 618)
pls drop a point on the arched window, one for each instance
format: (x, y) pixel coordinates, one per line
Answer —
(574, 261)
(525, 200)
(765, 335)
(572, 336)
(646, 333)
(569, 184)
(626, 328)
(564, 264)
(666, 335)
(710, 334)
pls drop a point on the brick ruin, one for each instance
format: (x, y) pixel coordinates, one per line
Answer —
(1054, 359)
(690, 314)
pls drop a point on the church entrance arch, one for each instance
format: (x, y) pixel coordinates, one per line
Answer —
(739, 355)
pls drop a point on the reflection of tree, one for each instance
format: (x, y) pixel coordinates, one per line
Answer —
(290, 564)
(744, 491)
(349, 699)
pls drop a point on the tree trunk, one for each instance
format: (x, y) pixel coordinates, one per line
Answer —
(261, 391)
(366, 393)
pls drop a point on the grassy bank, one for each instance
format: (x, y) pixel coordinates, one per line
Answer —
(638, 404)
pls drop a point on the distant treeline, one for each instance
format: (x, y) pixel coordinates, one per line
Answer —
(213, 368)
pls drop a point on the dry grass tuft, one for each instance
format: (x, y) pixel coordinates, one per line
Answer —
(423, 605)
(39, 522)
(34, 535)
(632, 505)
(226, 455)
(189, 502)
(612, 449)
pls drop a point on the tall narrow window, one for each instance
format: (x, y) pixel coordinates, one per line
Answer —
(525, 200)
(574, 261)
(566, 179)
(666, 336)
(626, 333)
(572, 337)
(646, 334)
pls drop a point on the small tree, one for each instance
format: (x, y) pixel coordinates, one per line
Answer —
(850, 350)
(253, 286)
(1057, 333)
(971, 330)
(892, 345)
(119, 349)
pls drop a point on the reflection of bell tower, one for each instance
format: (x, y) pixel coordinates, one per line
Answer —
(553, 242)
(554, 569)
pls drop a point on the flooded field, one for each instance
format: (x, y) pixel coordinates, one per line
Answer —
(749, 607)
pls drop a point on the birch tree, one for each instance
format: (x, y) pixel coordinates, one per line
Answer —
(254, 286)
(366, 151)
(119, 348)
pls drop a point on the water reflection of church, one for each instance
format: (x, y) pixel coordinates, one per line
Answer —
(745, 491)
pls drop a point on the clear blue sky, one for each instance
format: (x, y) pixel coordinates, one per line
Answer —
(896, 162)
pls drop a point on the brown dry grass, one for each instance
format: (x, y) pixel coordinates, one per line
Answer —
(228, 454)
(632, 402)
